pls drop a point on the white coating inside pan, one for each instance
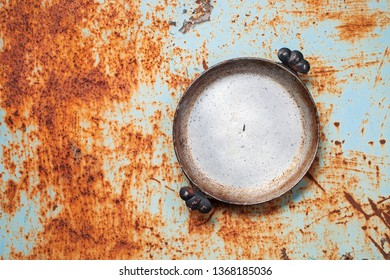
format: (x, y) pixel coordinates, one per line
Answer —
(245, 131)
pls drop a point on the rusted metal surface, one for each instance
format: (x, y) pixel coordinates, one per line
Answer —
(88, 92)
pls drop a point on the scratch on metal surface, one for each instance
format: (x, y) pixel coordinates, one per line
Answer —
(378, 77)
(308, 175)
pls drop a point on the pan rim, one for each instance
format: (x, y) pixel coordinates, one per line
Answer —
(310, 157)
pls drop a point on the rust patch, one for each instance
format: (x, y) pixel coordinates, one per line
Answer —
(338, 143)
(382, 141)
(382, 214)
(202, 55)
(70, 64)
(199, 222)
(71, 70)
(204, 64)
(7, 160)
(325, 113)
(242, 227)
(362, 23)
(356, 21)
(284, 254)
(11, 197)
(178, 81)
(347, 256)
(323, 76)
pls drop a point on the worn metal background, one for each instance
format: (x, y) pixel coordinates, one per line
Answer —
(88, 92)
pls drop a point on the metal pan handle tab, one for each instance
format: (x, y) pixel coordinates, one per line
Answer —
(294, 60)
(195, 199)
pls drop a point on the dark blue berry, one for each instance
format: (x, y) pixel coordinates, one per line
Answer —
(187, 192)
(295, 57)
(204, 205)
(284, 55)
(193, 202)
(302, 66)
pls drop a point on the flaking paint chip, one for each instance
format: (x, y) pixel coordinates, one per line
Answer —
(200, 14)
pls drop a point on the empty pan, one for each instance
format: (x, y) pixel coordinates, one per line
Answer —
(245, 131)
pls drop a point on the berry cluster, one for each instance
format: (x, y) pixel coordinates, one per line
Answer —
(294, 60)
(195, 200)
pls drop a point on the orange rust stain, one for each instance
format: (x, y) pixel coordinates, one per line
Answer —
(202, 55)
(242, 227)
(323, 76)
(7, 160)
(274, 22)
(204, 64)
(352, 163)
(199, 223)
(356, 19)
(284, 255)
(325, 113)
(11, 197)
(240, 238)
(177, 81)
(345, 170)
(361, 24)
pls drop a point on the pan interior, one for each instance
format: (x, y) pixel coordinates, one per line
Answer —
(246, 132)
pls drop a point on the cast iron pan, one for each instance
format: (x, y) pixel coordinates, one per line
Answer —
(245, 131)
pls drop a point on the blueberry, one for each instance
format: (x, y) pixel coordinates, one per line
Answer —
(302, 66)
(193, 202)
(296, 56)
(187, 192)
(284, 55)
(204, 205)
